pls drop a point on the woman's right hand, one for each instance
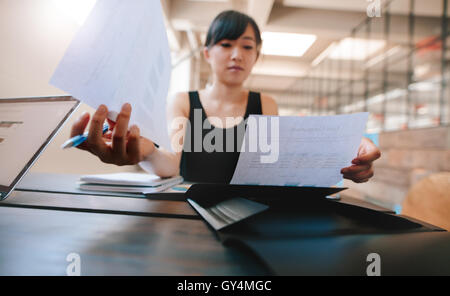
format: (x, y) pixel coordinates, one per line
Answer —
(118, 146)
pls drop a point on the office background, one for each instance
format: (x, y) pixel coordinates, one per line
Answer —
(390, 60)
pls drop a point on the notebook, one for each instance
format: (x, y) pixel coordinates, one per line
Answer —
(128, 182)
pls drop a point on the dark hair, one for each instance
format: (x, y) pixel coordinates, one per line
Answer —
(231, 25)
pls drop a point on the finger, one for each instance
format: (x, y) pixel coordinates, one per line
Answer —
(119, 136)
(80, 125)
(355, 169)
(360, 176)
(133, 145)
(356, 177)
(78, 129)
(367, 157)
(108, 135)
(94, 140)
(356, 180)
(360, 181)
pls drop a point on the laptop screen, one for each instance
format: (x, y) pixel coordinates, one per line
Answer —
(27, 125)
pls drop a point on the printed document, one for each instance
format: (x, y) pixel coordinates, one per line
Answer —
(304, 151)
(121, 54)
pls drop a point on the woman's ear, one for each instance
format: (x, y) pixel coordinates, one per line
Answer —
(206, 53)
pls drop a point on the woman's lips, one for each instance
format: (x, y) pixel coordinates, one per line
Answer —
(235, 68)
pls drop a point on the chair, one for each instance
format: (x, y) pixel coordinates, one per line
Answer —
(429, 200)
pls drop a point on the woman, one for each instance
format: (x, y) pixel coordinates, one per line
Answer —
(232, 48)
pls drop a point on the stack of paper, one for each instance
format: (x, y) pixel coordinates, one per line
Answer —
(128, 182)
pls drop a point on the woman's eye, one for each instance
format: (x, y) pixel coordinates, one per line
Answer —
(225, 45)
(248, 47)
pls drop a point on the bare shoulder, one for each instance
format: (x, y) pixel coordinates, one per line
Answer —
(178, 104)
(269, 105)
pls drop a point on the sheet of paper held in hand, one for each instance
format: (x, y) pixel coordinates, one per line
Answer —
(121, 54)
(309, 151)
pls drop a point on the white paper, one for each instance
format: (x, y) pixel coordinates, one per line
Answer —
(121, 54)
(129, 179)
(312, 151)
(127, 188)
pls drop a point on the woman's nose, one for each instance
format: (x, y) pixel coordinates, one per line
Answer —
(236, 54)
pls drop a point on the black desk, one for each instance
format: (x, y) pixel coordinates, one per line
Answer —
(136, 236)
(39, 190)
(100, 204)
(37, 242)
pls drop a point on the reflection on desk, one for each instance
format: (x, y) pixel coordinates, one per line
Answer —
(37, 242)
(100, 204)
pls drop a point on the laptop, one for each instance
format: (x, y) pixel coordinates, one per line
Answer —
(27, 126)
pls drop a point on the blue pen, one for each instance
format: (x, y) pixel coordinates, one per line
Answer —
(77, 140)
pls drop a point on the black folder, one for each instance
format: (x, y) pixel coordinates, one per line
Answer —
(210, 194)
(295, 216)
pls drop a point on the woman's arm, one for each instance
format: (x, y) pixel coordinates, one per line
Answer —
(162, 162)
(269, 105)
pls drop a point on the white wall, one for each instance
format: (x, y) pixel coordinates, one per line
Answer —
(180, 79)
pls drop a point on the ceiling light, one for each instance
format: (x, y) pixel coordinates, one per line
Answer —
(286, 44)
(421, 70)
(356, 49)
(324, 54)
(383, 56)
(424, 86)
(377, 99)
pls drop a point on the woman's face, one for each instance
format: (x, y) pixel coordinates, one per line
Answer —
(232, 60)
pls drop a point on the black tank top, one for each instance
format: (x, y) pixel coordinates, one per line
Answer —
(206, 166)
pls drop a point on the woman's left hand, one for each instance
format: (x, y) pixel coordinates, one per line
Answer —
(361, 169)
